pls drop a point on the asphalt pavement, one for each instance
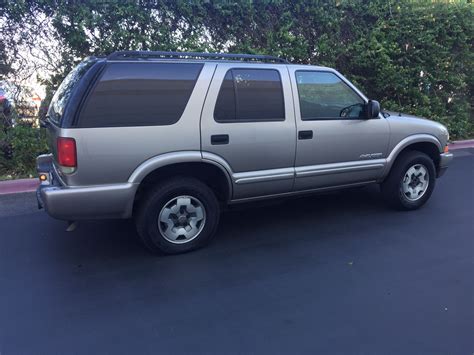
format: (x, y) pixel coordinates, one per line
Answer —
(332, 274)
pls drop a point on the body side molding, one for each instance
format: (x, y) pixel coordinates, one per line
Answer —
(337, 168)
(264, 175)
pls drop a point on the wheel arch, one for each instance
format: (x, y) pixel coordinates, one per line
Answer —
(190, 164)
(424, 143)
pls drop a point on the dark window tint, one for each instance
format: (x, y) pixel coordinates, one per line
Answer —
(225, 105)
(140, 94)
(250, 95)
(324, 95)
(62, 95)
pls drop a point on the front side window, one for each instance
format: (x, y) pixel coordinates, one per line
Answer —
(248, 95)
(140, 94)
(323, 95)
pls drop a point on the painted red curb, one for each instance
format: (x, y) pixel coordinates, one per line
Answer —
(29, 185)
(461, 144)
(17, 186)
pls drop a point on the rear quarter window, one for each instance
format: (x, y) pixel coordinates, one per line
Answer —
(140, 94)
(63, 94)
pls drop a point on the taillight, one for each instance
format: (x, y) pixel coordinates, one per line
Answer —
(67, 156)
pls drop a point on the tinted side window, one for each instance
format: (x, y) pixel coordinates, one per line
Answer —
(63, 94)
(250, 95)
(140, 94)
(323, 95)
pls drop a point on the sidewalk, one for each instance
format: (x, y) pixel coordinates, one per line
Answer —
(29, 185)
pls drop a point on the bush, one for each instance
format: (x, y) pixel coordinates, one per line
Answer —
(419, 59)
(26, 143)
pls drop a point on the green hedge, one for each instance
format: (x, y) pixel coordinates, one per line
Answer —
(413, 56)
(420, 60)
(26, 143)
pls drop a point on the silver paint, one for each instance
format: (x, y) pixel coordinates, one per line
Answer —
(262, 159)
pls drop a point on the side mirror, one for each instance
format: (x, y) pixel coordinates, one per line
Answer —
(373, 109)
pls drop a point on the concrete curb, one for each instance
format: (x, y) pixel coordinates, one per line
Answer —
(29, 185)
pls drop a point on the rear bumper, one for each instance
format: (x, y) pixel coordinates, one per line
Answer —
(444, 161)
(85, 202)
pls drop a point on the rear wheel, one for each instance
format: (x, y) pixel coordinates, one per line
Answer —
(410, 182)
(177, 216)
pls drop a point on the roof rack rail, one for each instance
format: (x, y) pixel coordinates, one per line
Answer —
(127, 55)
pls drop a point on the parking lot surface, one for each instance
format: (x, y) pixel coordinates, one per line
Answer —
(332, 274)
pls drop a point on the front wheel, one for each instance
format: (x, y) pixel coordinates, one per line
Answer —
(410, 182)
(177, 216)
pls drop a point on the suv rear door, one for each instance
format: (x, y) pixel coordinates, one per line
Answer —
(248, 121)
(336, 144)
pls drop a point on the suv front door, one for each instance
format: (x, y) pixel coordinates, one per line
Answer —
(248, 122)
(336, 144)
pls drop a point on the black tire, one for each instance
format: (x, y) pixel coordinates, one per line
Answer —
(148, 212)
(392, 186)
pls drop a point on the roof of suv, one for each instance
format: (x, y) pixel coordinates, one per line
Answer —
(141, 55)
(202, 57)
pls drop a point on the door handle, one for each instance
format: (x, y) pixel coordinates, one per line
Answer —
(218, 139)
(305, 135)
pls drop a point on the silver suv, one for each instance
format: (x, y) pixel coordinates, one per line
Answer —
(171, 138)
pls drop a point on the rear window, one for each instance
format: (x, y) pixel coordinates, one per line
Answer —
(140, 94)
(249, 95)
(63, 94)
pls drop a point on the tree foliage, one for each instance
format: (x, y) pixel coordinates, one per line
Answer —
(4, 68)
(413, 56)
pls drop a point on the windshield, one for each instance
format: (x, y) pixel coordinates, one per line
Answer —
(62, 95)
